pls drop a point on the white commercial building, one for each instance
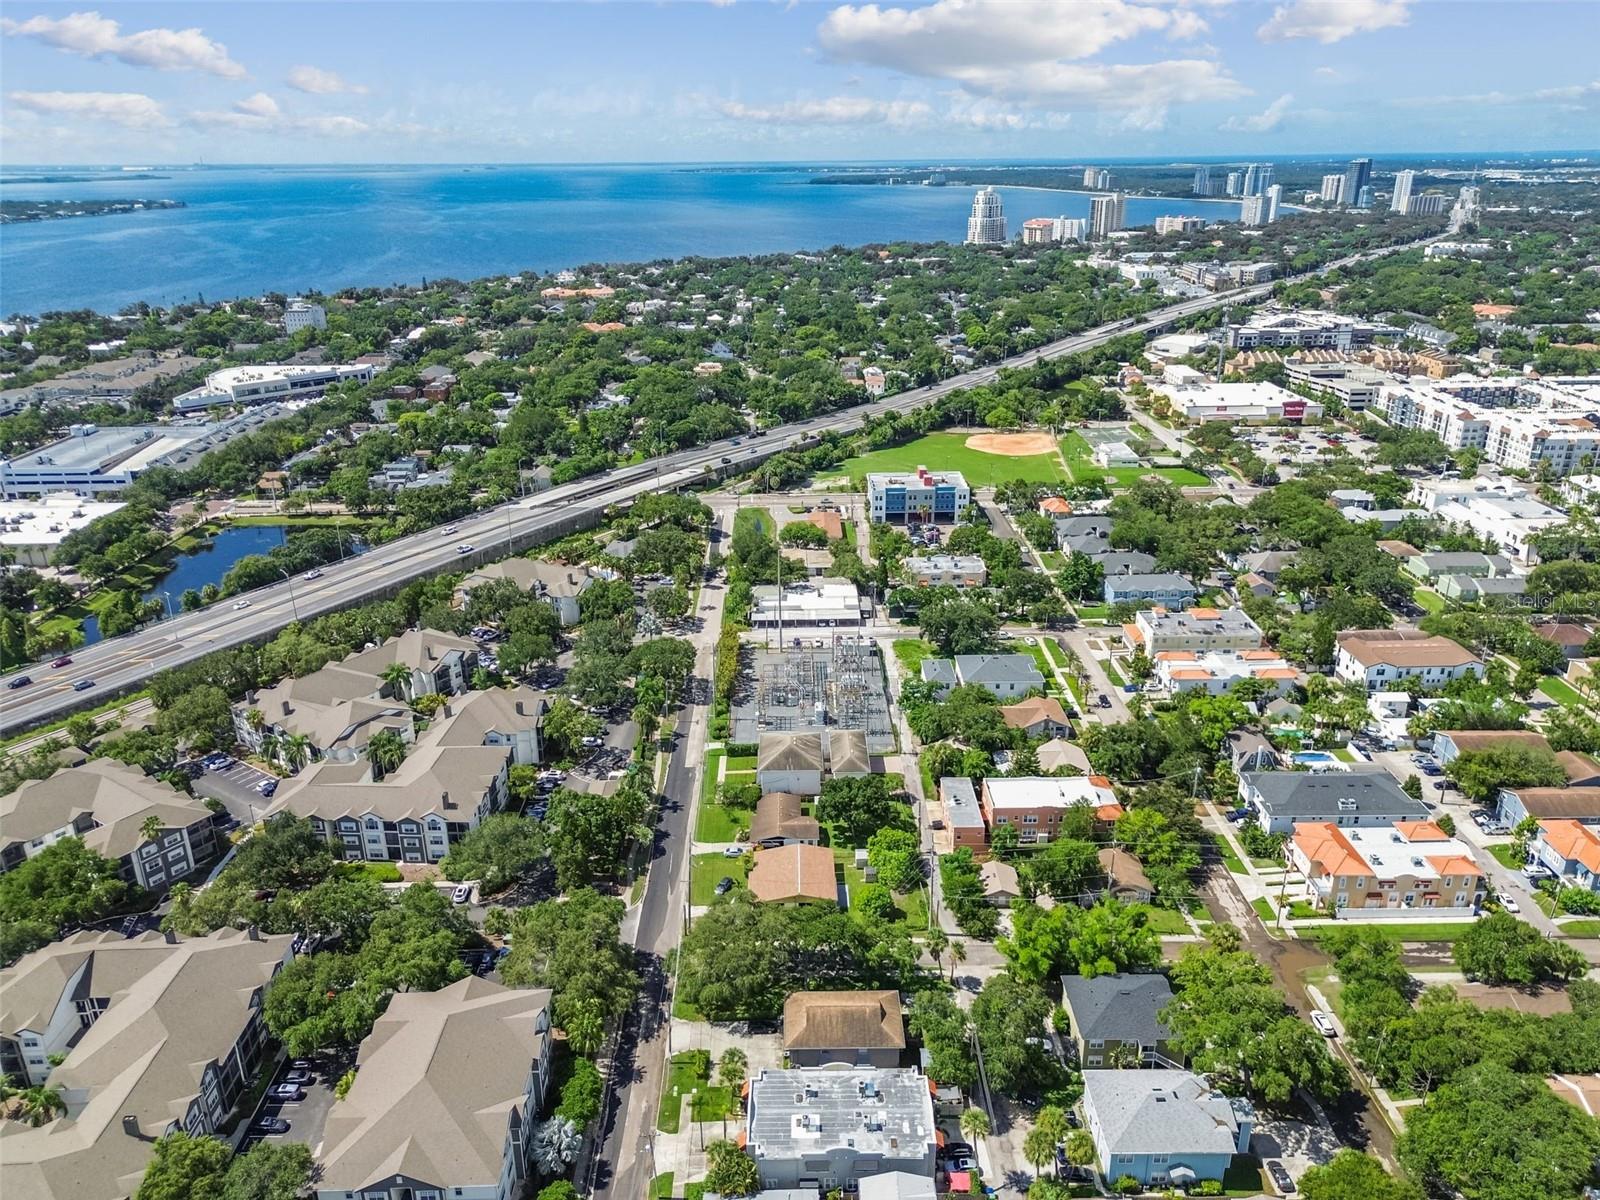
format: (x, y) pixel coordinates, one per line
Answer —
(1184, 224)
(262, 384)
(302, 314)
(1107, 214)
(1503, 510)
(31, 530)
(1252, 403)
(812, 604)
(987, 224)
(1333, 188)
(1329, 331)
(1522, 424)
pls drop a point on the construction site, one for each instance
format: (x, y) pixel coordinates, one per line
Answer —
(834, 682)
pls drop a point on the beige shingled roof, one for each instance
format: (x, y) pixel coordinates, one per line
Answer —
(1403, 648)
(438, 1082)
(789, 752)
(781, 814)
(793, 872)
(466, 721)
(843, 1021)
(118, 797)
(847, 752)
(173, 1008)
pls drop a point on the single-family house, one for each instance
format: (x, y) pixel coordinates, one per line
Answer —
(861, 1029)
(1570, 849)
(794, 873)
(1163, 1127)
(780, 818)
(1248, 750)
(1124, 876)
(1037, 716)
(790, 762)
(847, 753)
(1059, 753)
(1001, 884)
(1571, 637)
(1115, 1020)
(1007, 676)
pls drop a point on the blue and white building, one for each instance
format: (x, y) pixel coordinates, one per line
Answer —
(924, 495)
(1163, 1128)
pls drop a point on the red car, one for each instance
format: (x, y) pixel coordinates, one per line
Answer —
(63, 661)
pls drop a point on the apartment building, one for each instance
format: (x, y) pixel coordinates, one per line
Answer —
(1163, 1127)
(826, 1128)
(557, 584)
(1358, 798)
(1518, 424)
(158, 1035)
(1505, 511)
(1036, 806)
(1570, 849)
(1164, 588)
(924, 495)
(963, 814)
(1208, 630)
(413, 814)
(113, 808)
(1276, 327)
(431, 1113)
(509, 717)
(859, 1029)
(1216, 671)
(947, 570)
(1404, 868)
(1381, 658)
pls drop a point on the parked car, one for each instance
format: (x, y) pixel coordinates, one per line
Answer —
(267, 787)
(268, 1126)
(733, 852)
(462, 894)
(298, 1075)
(1281, 1179)
(1508, 902)
(1323, 1023)
(961, 1164)
(291, 1092)
(1103, 700)
(591, 742)
(724, 885)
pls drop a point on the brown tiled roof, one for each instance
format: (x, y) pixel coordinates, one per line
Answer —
(1472, 740)
(828, 522)
(1577, 803)
(843, 1021)
(1033, 710)
(1578, 766)
(793, 873)
(1370, 647)
(779, 814)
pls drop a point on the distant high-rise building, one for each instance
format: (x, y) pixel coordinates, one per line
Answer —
(1404, 181)
(1107, 214)
(1202, 181)
(1429, 204)
(1234, 183)
(1364, 197)
(1253, 211)
(1069, 229)
(1251, 173)
(1090, 174)
(1333, 188)
(1357, 176)
(1038, 231)
(1274, 198)
(1179, 224)
(987, 224)
(1467, 208)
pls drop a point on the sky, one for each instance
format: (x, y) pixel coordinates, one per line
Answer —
(753, 80)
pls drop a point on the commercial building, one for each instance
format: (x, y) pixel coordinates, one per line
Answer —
(1571, 850)
(1504, 511)
(447, 1094)
(1116, 1020)
(158, 1035)
(1108, 214)
(987, 224)
(1163, 588)
(1204, 629)
(1277, 327)
(859, 1029)
(32, 530)
(1216, 671)
(1354, 385)
(924, 495)
(303, 314)
(1185, 224)
(1404, 868)
(1520, 424)
(1036, 805)
(110, 806)
(1429, 204)
(262, 384)
(1234, 184)
(412, 814)
(1246, 403)
(947, 570)
(825, 1129)
(821, 603)
(1381, 658)
(1358, 798)
(90, 460)
(1163, 1127)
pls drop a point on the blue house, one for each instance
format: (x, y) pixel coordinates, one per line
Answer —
(1164, 1128)
(1165, 589)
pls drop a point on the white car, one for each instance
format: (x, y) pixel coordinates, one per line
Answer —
(464, 548)
(1508, 902)
(734, 851)
(593, 742)
(310, 575)
(241, 604)
(1323, 1023)
(462, 894)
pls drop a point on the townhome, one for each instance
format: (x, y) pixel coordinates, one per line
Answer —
(1007, 676)
(1569, 849)
(1163, 1127)
(1379, 658)
(1515, 805)
(1116, 1020)
(447, 1095)
(1361, 797)
(412, 814)
(1201, 629)
(1450, 744)
(1406, 867)
(1166, 589)
(860, 1029)
(154, 833)
(158, 1035)
(824, 1128)
(1429, 567)
(1036, 806)
(790, 762)
(947, 570)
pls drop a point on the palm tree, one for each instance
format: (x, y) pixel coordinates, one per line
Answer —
(296, 749)
(1038, 1148)
(269, 746)
(937, 943)
(397, 677)
(555, 1144)
(732, 1067)
(958, 955)
(975, 1124)
(150, 830)
(40, 1105)
(386, 751)
(585, 1029)
(255, 718)
(1079, 1149)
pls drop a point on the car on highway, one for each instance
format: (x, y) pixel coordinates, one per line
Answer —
(724, 885)
(288, 1092)
(1508, 902)
(269, 1126)
(83, 685)
(1323, 1023)
(237, 604)
(21, 681)
(64, 661)
(450, 529)
(464, 548)
(726, 459)
(1281, 1179)
(310, 575)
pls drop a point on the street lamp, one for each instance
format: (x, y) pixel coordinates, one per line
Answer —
(293, 607)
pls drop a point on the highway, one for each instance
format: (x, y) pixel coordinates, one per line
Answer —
(123, 664)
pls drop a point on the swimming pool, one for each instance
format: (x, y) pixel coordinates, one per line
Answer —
(1306, 758)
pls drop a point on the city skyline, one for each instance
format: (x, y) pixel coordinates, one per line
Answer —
(723, 81)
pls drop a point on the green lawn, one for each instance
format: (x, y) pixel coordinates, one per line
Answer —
(720, 823)
(909, 653)
(1165, 920)
(1506, 855)
(709, 1103)
(661, 1187)
(1326, 981)
(1091, 612)
(708, 780)
(739, 763)
(1052, 560)
(1428, 599)
(1244, 1177)
(1264, 910)
(1080, 461)
(757, 519)
(949, 452)
(1113, 674)
(1229, 859)
(911, 909)
(737, 778)
(1581, 929)
(1560, 691)
(706, 870)
(1416, 931)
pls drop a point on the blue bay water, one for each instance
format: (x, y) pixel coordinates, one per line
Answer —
(289, 229)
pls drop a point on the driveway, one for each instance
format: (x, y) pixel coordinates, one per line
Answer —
(1078, 640)
(1299, 1145)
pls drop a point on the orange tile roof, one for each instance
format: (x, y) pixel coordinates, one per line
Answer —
(829, 523)
(1099, 781)
(1420, 831)
(1274, 673)
(1193, 673)
(1572, 840)
(1055, 504)
(1204, 614)
(793, 872)
(1176, 656)
(1455, 864)
(1108, 812)
(1327, 847)
(1258, 655)
(1132, 632)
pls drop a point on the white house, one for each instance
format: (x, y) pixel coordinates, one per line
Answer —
(1381, 658)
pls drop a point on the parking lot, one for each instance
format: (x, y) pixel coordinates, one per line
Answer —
(306, 1116)
(235, 786)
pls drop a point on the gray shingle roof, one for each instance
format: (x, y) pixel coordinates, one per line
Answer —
(1323, 794)
(1002, 668)
(1162, 1112)
(1120, 1008)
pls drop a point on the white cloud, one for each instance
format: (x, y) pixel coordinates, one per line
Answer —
(133, 109)
(834, 110)
(1568, 96)
(92, 36)
(259, 105)
(1031, 54)
(1262, 122)
(1330, 21)
(321, 83)
(1332, 74)
(260, 113)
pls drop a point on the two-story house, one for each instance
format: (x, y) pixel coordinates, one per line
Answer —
(447, 1095)
(1006, 676)
(1362, 797)
(1162, 1127)
(1116, 1020)
(859, 1029)
(1571, 850)
(1163, 588)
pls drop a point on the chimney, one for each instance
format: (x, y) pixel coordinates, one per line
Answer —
(444, 799)
(253, 932)
(130, 1126)
(171, 936)
(520, 713)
